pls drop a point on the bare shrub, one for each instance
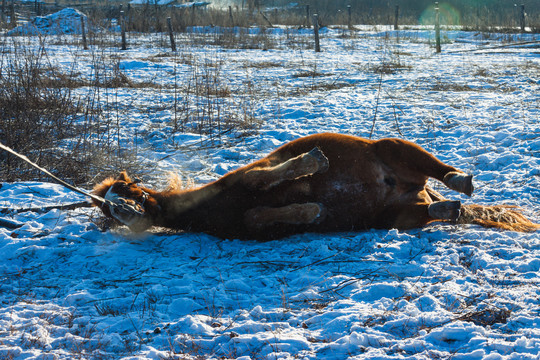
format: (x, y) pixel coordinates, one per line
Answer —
(43, 118)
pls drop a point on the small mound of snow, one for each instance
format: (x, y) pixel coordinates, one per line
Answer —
(156, 2)
(66, 21)
(379, 291)
(193, 4)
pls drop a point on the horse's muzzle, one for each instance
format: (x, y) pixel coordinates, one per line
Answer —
(127, 211)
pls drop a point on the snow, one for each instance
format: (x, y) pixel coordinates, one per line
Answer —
(65, 21)
(185, 5)
(69, 289)
(193, 4)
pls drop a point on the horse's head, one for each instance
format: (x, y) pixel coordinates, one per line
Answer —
(136, 206)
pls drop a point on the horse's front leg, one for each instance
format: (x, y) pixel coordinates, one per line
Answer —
(295, 214)
(306, 164)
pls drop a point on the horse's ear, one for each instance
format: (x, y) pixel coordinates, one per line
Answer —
(124, 177)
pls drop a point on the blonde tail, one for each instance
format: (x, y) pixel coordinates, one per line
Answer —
(497, 216)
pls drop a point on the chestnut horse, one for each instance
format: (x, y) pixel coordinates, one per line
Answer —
(319, 183)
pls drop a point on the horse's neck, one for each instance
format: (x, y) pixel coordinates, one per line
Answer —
(178, 208)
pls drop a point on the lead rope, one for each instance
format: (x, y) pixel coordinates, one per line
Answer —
(124, 207)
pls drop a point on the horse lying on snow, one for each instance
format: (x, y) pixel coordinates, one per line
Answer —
(320, 183)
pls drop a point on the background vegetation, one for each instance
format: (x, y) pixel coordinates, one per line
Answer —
(475, 14)
(44, 115)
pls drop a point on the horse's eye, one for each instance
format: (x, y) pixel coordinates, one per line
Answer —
(123, 186)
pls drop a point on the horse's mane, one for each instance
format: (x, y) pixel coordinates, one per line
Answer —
(175, 182)
(102, 188)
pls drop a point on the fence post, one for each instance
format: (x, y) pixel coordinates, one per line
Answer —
(522, 18)
(123, 30)
(316, 31)
(396, 25)
(2, 14)
(349, 17)
(128, 17)
(437, 28)
(83, 31)
(477, 17)
(171, 34)
(13, 15)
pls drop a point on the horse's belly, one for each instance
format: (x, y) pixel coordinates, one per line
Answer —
(350, 205)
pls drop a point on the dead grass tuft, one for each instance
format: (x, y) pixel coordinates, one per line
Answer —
(263, 65)
(309, 74)
(487, 317)
(106, 309)
(331, 86)
(440, 86)
(390, 67)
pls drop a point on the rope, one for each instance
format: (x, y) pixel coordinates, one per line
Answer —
(123, 207)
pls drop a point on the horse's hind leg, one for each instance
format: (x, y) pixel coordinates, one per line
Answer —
(414, 164)
(434, 195)
(296, 214)
(417, 215)
(305, 164)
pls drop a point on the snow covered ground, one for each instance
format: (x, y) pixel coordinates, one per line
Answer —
(71, 290)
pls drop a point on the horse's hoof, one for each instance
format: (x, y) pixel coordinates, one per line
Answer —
(321, 159)
(445, 210)
(460, 182)
(308, 213)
